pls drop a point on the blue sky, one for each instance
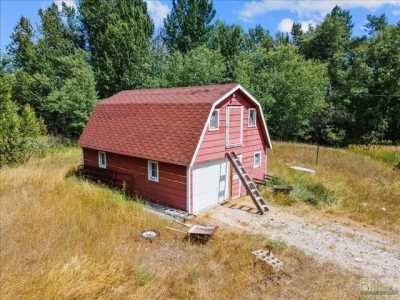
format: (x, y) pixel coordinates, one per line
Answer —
(275, 15)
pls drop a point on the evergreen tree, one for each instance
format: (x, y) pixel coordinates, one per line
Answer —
(19, 131)
(258, 37)
(281, 39)
(61, 87)
(22, 48)
(55, 37)
(119, 34)
(376, 23)
(329, 42)
(228, 40)
(188, 25)
(297, 33)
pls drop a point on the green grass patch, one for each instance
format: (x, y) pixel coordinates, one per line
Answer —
(387, 154)
(313, 193)
(304, 189)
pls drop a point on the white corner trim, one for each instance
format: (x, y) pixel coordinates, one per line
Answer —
(205, 127)
(254, 160)
(188, 189)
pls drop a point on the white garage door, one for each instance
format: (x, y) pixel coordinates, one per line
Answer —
(210, 184)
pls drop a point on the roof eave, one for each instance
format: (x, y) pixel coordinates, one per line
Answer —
(179, 163)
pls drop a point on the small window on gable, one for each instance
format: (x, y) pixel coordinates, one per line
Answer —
(153, 170)
(252, 117)
(214, 120)
(102, 159)
(257, 160)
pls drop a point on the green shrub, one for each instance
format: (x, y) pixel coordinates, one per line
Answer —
(313, 193)
(19, 128)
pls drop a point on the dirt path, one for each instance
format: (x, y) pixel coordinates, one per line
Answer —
(352, 247)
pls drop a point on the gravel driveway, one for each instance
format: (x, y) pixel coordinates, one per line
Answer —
(352, 247)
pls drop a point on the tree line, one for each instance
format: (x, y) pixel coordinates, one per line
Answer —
(321, 85)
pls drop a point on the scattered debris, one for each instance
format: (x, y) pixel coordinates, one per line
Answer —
(241, 207)
(305, 170)
(269, 177)
(358, 259)
(267, 257)
(149, 234)
(285, 189)
(170, 212)
(262, 182)
(275, 278)
(196, 232)
(177, 214)
(202, 229)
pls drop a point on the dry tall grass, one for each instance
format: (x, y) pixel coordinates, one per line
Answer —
(65, 238)
(366, 189)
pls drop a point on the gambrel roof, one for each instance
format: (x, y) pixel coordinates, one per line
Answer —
(163, 124)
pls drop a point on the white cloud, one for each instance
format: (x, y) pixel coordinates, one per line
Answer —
(285, 25)
(158, 11)
(69, 3)
(306, 8)
(305, 25)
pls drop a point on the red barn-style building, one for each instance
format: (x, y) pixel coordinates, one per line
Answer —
(171, 145)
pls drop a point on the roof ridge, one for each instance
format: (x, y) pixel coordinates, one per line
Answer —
(183, 95)
(179, 87)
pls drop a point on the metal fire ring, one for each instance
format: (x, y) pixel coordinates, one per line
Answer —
(149, 234)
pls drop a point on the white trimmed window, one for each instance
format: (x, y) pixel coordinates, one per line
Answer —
(257, 160)
(214, 120)
(252, 117)
(153, 170)
(102, 159)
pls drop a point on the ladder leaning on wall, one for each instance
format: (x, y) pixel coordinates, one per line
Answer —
(248, 182)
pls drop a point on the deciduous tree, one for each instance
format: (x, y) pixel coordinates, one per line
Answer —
(119, 34)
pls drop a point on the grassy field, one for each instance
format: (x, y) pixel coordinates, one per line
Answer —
(64, 238)
(388, 154)
(360, 182)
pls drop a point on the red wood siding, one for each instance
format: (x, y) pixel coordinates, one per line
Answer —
(213, 145)
(170, 190)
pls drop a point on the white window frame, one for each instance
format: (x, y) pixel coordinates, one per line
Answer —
(254, 160)
(101, 165)
(209, 123)
(149, 170)
(255, 118)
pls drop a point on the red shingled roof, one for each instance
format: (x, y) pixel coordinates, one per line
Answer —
(161, 124)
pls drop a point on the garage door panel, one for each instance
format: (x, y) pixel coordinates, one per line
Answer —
(210, 184)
